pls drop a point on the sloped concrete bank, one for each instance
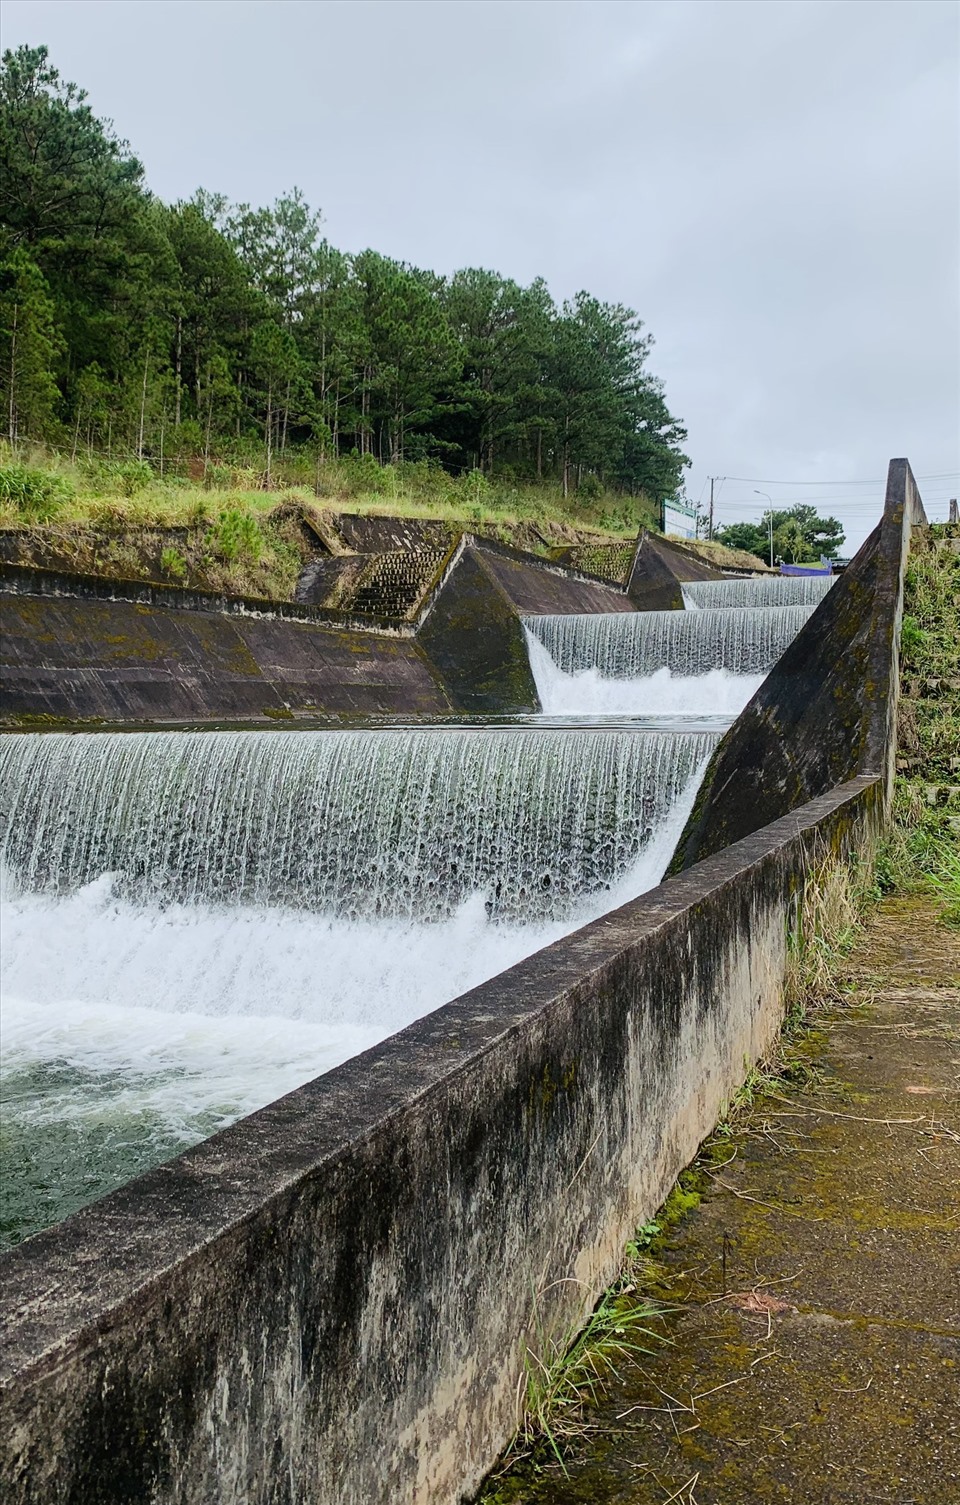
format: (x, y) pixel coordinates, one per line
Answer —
(78, 647)
(326, 1302)
(828, 708)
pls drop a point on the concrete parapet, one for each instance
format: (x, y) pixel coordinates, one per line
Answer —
(828, 709)
(328, 1301)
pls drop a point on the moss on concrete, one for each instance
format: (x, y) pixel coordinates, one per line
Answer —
(815, 1347)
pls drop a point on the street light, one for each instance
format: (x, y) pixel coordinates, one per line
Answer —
(769, 519)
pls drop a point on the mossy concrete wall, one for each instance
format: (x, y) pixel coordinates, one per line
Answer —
(827, 711)
(327, 1303)
(77, 647)
(77, 659)
(541, 587)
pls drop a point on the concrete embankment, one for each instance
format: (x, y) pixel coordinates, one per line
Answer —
(77, 648)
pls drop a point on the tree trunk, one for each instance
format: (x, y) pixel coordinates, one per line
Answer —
(286, 417)
(269, 433)
(206, 446)
(12, 415)
(539, 452)
(178, 363)
(143, 404)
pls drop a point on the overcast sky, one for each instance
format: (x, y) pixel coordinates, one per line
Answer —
(772, 186)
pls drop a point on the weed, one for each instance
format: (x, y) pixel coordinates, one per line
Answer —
(173, 564)
(35, 494)
(828, 920)
(237, 537)
(561, 1374)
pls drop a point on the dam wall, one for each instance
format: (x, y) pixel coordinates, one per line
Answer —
(827, 712)
(329, 1300)
(79, 647)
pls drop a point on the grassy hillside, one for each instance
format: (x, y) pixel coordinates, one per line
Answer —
(224, 530)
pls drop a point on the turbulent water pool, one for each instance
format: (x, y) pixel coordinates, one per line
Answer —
(198, 922)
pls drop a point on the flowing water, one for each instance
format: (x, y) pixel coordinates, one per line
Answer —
(758, 590)
(196, 923)
(687, 663)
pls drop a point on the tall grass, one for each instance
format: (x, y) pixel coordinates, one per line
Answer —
(563, 1372)
(143, 496)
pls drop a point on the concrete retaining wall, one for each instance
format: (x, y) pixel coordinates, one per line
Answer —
(77, 647)
(326, 1303)
(827, 711)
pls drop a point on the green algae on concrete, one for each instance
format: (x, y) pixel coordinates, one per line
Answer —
(816, 1346)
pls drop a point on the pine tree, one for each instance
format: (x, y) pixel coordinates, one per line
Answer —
(30, 345)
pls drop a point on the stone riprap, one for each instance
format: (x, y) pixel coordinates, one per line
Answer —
(328, 1301)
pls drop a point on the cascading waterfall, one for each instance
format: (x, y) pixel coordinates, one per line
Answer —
(629, 645)
(658, 662)
(758, 590)
(344, 823)
(195, 923)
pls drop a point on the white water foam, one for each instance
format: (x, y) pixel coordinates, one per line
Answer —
(138, 1028)
(719, 692)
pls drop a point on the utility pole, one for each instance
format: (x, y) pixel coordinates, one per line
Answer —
(713, 480)
(769, 518)
(953, 510)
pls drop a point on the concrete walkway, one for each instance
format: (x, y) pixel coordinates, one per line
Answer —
(816, 1358)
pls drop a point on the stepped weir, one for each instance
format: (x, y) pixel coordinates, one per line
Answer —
(376, 1044)
(748, 640)
(776, 590)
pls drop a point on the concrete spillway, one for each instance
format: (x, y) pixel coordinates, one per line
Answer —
(700, 663)
(776, 590)
(196, 923)
(748, 641)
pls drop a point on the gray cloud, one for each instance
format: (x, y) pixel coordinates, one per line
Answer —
(774, 187)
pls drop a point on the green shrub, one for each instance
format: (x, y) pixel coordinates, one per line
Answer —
(237, 537)
(132, 476)
(218, 477)
(121, 477)
(36, 494)
(173, 564)
(591, 488)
